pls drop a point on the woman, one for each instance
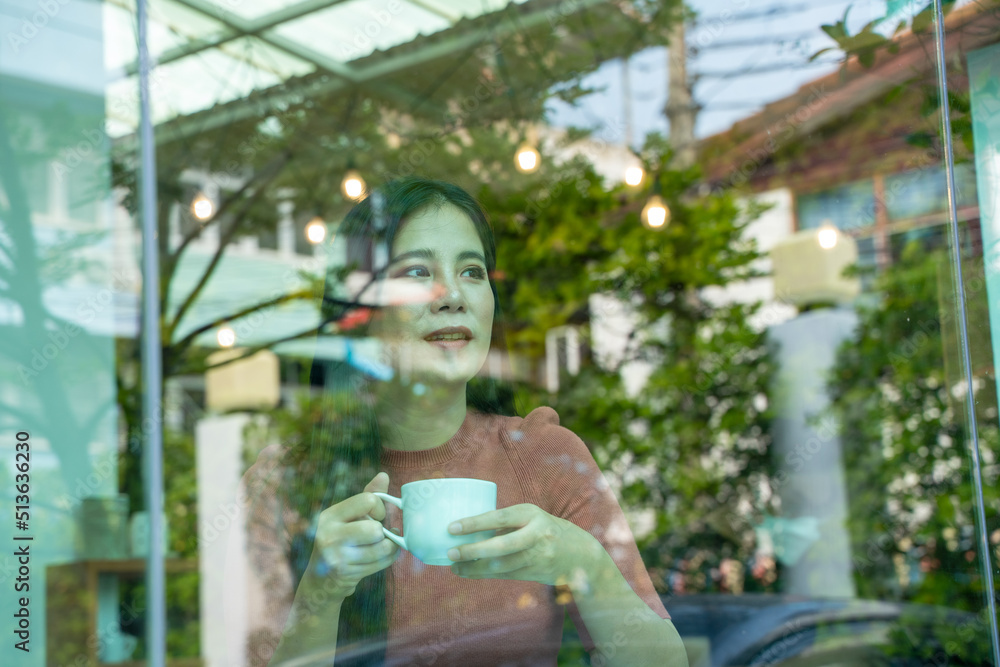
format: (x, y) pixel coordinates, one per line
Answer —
(561, 539)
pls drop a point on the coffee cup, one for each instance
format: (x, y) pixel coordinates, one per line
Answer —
(430, 506)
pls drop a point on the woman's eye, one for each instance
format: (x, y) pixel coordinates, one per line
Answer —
(475, 272)
(416, 272)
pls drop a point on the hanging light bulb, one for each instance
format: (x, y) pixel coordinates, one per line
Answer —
(226, 337)
(316, 230)
(527, 158)
(353, 186)
(655, 214)
(634, 176)
(827, 236)
(202, 207)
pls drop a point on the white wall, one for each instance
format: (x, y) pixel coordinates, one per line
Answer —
(222, 554)
(772, 226)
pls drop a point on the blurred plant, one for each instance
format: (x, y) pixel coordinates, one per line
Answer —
(182, 589)
(296, 147)
(911, 501)
(939, 636)
(915, 18)
(690, 449)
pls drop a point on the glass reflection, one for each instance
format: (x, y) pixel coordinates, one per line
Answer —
(760, 390)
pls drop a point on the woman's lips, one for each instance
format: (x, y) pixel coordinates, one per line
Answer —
(450, 344)
(450, 338)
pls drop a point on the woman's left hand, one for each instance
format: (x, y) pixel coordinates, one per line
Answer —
(530, 545)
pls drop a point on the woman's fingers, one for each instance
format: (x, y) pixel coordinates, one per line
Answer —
(514, 516)
(355, 508)
(379, 483)
(496, 568)
(495, 547)
(362, 505)
(354, 533)
(345, 556)
(349, 538)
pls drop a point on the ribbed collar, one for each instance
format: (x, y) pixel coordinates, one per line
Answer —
(435, 456)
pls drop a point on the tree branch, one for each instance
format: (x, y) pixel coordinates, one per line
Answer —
(250, 351)
(285, 298)
(174, 258)
(224, 241)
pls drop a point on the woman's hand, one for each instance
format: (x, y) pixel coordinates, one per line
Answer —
(530, 545)
(349, 543)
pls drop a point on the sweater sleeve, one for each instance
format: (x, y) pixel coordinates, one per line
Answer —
(272, 587)
(571, 486)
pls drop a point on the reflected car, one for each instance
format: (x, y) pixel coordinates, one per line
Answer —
(758, 629)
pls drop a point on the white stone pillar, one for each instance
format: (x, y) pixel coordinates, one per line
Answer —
(222, 540)
(811, 537)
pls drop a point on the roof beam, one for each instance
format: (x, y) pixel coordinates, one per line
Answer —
(321, 61)
(236, 27)
(256, 105)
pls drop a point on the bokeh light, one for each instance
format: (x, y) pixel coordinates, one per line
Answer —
(202, 207)
(528, 158)
(316, 230)
(353, 186)
(655, 215)
(827, 237)
(226, 337)
(634, 176)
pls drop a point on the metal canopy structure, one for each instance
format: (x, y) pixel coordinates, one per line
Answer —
(275, 50)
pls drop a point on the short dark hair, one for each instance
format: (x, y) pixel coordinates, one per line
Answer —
(379, 216)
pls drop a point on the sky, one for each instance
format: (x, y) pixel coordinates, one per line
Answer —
(759, 34)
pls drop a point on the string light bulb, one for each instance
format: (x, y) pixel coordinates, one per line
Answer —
(202, 207)
(827, 236)
(353, 186)
(226, 336)
(316, 231)
(634, 176)
(655, 214)
(527, 158)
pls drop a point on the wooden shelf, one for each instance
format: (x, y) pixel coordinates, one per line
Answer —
(71, 598)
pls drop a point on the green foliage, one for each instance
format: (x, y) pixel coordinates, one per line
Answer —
(183, 638)
(696, 435)
(911, 501)
(180, 493)
(180, 505)
(867, 44)
(297, 148)
(941, 636)
(691, 448)
(864, 44)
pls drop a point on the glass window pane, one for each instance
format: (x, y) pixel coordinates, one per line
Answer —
(68, 273)
(660, 307)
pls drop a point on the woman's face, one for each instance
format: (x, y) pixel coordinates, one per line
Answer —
(442, 334)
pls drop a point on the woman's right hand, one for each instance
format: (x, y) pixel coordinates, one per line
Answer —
(349, 545)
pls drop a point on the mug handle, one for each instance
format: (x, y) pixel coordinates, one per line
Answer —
(398, 539)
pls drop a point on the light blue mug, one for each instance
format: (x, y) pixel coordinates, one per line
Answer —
(430, 506)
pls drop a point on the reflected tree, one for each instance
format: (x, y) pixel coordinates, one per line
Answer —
(911, 514)
(690, 449)
(457, 117)
(45, 351)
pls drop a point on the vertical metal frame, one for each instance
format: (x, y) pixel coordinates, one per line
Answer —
(956, 267)
(152, 371)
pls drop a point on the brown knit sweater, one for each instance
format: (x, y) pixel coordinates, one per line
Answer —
(436, 617)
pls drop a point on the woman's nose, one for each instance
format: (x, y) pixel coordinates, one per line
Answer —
(448, 296)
